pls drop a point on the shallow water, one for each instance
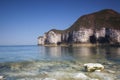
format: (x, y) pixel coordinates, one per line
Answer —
(57, 63)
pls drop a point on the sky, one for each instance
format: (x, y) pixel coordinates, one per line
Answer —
(23, 21)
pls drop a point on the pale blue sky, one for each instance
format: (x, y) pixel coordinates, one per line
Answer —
(22, 21)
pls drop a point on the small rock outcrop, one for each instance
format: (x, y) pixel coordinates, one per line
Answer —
(101, 27)
(90, 67)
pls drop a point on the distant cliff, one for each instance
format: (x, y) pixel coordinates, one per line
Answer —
(101, 27)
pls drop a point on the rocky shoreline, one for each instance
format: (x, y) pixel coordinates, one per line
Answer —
(59, 70)
(81, 45)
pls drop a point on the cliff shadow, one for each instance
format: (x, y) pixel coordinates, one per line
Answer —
(93, 39)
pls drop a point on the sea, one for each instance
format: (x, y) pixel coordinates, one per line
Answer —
(33, 62)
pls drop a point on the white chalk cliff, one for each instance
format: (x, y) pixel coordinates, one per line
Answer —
(97, 28)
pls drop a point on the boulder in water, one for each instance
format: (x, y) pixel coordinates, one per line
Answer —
(90, 67)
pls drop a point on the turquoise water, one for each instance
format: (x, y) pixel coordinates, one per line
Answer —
(39, 62)
(33, 52)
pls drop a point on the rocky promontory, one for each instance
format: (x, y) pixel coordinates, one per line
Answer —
(98, 28)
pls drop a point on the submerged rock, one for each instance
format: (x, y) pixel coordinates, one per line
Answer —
(94, 79)
(90, 67)
(80, 76)
(110, 71)
(1, 77)
(49, 79)
(102, 76)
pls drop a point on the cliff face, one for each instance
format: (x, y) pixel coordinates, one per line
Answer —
(53, 37)
(99, 27)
